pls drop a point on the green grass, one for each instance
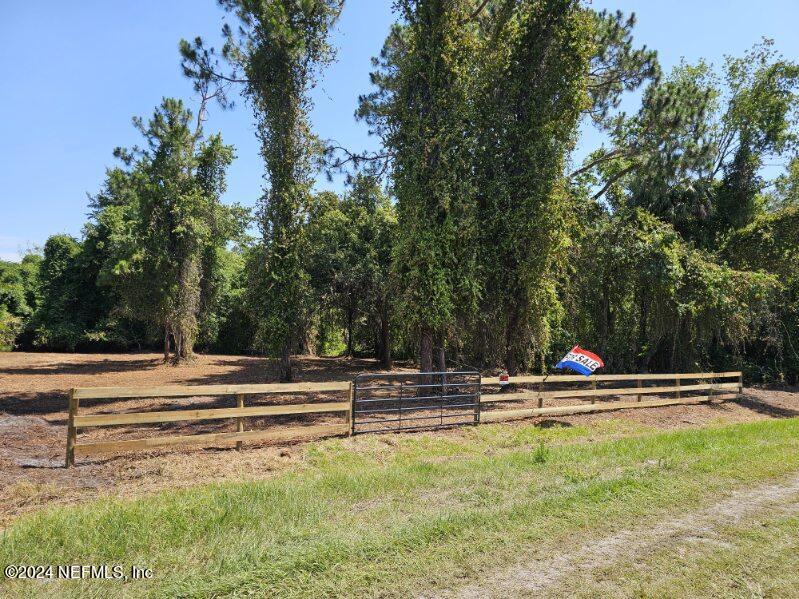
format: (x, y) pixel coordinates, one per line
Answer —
(759, 558)
(393, 515)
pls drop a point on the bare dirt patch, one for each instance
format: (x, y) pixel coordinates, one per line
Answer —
(33, 414)
(536, 577)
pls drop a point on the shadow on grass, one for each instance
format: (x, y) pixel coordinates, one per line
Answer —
(550, 423)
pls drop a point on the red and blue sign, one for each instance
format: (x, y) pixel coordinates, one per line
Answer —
(581, 360)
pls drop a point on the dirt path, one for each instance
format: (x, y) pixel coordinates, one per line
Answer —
(540, 576)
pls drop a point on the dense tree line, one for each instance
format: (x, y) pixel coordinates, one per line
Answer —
(472, 238)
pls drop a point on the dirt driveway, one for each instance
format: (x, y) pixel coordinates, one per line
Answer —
(33, 402)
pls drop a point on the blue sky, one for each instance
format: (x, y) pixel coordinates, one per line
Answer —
(76, 72)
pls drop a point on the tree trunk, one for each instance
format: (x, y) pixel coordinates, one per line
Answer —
(286, 371)
(349, 330)
(441, 362)
(184, 328)
(166, 343)
(307, 341)
(377, 347)
(643, 334)
(385, 338)
(605, 320)
(426, 351)
(186, 350)
(511, 364)
(647, 358)
(511, 357)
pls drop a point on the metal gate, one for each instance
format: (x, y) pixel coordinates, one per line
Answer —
(414, 400)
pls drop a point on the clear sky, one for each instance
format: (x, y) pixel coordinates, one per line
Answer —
(74, 73)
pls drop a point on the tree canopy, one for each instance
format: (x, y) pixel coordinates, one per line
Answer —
(472, 236)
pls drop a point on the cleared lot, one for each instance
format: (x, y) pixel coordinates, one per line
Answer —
(33, 402)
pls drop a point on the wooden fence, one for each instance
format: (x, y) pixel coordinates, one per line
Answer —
(679, 393)
(240, 412)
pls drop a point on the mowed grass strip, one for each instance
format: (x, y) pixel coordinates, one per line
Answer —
(427, 513)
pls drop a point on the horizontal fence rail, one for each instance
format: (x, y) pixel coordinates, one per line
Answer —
(76, 421)
(579, 378)
(603, 392)
(201, 390)
(388, 402)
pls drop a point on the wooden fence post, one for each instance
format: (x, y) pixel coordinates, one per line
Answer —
(240, 420)
(72, 432)
(638, 384)
(348, 416)
(541, 394)
(740, 383)
(678, 387)
(593, 386)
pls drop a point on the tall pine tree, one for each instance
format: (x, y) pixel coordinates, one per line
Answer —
(276, 49)
(533, 90)
(421, 111)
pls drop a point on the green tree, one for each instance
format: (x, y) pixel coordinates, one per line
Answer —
(658, 154)
(420, 109)
(648, 301)
(375, 220)
(109, 242)
(165, 224)
(276, 49)
(771, 243)
(18, 285)
(331, 242)
(349, 245)
(760, 122)
(226, 324)
(18, 297)
(60, 320)
(532, 94)
(694, 151)
(616, 65)
(786, 187)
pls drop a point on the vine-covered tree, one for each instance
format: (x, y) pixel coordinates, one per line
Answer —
(533, 91)
(276, 49)
(420, 109)
(771, 243)
(648, 301)
(162, 217)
